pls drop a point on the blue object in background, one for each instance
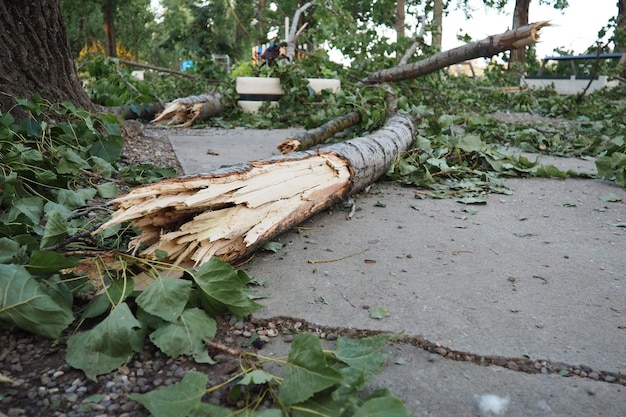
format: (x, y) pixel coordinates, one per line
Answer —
(185, 65)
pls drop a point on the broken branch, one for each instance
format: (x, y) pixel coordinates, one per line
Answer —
(232, 211)
(320, 134)
(488, 47)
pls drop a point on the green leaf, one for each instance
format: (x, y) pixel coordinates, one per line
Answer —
(108, 149)
(32, 207)
(187, 336)
(8, 250)
(107, 190)
(222, 288)
(256, 377)
(178, 400)
(308, 371)
(55, 230)
(380, 313)
(273, 246)
(25, 304)
(46, 262)
(363, 356)
(165, 298)
(471, 143)
(75, 198)
(107, 346)
(610, 198)
(383, 407)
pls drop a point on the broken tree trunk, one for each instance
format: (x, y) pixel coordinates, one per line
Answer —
(320, 134)
(488, 47)
(294, 32)
(232, 211)
(183, 112)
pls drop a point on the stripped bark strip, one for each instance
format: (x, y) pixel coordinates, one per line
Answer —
(319, 135)
(232, 211)
(488, 47)
(183, 112)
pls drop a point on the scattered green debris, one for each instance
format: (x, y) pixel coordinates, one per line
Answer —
(314, 382)
(380, 313)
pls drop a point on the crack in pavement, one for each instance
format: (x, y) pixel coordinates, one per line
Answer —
(287, 325)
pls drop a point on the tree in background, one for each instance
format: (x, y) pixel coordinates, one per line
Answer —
(85, 21)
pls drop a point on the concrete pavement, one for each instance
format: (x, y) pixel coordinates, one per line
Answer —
(537, 277)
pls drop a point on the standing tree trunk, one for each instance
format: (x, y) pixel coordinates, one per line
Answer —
(620, 30)
(36, 55)
(108, 15)
(437, 24)
(520, 18)
(400, 20)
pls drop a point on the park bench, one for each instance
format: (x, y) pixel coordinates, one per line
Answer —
(574, 83)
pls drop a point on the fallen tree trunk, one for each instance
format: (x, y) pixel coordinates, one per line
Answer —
(136, 111)
(230, 212)
(183, 112)
(488, 47)
(320, 134)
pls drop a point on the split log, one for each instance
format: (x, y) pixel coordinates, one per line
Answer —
(488, 47)
(183, 112)
(320, 134)
(232, 211)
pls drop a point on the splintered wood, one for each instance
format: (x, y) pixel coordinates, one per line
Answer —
(232, 211)
(183, 112)
(226, 214)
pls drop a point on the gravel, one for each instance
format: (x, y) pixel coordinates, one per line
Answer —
(40, 383)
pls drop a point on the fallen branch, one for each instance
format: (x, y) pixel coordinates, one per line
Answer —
(417, 40)
(154, 68)
(488, 47)
(232, 211)
(319, 135)
(183, 112)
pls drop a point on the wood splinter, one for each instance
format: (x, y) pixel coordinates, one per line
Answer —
(232, 211)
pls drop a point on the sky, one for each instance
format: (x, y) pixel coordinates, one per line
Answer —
(576, 28)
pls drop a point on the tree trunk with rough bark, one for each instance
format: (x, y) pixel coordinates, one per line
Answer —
(437, 24)
(108, 15)
(36, 56)
(488, 47)
(232, 211)
(520, 18)
(400, 19)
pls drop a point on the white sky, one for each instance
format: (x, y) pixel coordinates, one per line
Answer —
(576, 28)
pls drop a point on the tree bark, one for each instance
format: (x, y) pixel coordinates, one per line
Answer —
(232, 211)
(400, 19)
(36, 55)
(515, 38)
(437, 24)
(620, 44)
(520, 18)
(108, 15)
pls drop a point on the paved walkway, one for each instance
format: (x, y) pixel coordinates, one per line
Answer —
(536, 278)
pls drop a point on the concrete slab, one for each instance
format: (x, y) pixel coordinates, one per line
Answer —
(203, 150)
(540, 273)
(433, 386)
